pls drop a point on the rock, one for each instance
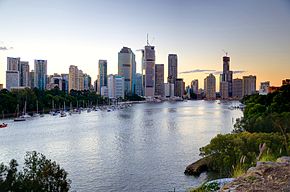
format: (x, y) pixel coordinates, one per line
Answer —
(198, 167)
(266, 176)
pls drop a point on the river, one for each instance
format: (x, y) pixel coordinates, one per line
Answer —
(145, 147)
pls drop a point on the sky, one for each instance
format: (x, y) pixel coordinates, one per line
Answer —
(255, 33)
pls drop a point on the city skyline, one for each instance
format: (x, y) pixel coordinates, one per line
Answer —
(254, 33)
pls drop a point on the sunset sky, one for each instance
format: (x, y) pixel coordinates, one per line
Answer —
(255, 33)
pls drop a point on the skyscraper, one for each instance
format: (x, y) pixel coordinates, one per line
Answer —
(24, 74)
(159, 80)
(172, 70)
(102, 81)
(115, 86)
(87, 82)
(65, 82)
(210, 87)
(40, 73)
(31, 79)
(139, 90)
(249, 85)
(226, 78)
(194, 86)
(264, 88)
(12, 79)
(149, 62)
(180, 86)
(13, 64)
(237, 88)
(73, 82)
(81, 80)
(127, 69)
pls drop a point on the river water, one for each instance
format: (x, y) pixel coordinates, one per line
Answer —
(145, 147)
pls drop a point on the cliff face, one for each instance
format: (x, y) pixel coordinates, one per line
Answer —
(266, 176)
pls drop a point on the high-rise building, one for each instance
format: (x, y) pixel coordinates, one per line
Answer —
(172, 70)
(65, 82)
(227, 76)
(73, 82)
(24, 74)
(31, 79)
(264, 88)
(127, 69)
(249, 85)
(139, 90)
(159, 80)
(40, 74)
(169, 90)
(116, 88)
(54, 81)
(13, 64)
(87, 82)
(194, 86)
(210, 87)
(224, 90)
(81, 80)
(149, 62)
(12, 79)
(286, 82)
(237, 88)
(180, 86)
(102, 77)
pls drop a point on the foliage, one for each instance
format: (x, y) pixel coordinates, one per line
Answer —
(206, 187)
(134, 97)
(39, 174)
(227, 150)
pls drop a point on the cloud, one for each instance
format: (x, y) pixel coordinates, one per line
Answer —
(197, 71)
(239, 72)
(3, 48)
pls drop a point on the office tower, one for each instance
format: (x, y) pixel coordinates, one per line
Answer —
(159, 80)
(40, 74)
(87, 82)
(12, 79)
(249, 85)
(149, 62)
(81, 80)
(139, 86)
(102, 77)
(194, 86)
(73, 82)
(65, 82)
(104, 91)
(264, 88)
(127, 69)
(172, 70)
(96, 85)
(24, 74)
(210, 87)
(226, 76)
(31, 79)
(180, 86)
(224, 90)
(169, 90)
(116, 86)
(13, 64)
(237, 88)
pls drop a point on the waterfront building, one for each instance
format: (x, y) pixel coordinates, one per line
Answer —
(12, 79)
(54, 81)
(286, 82)
(224, 90)
(237, 88)
(127, 69)
(210, 86)
(65, 82)
(104, 91)
(168, 90)
(24, 74)
(31, 79)
(81, 80)
(194, 86)
(139, 90)
(159, 80)
(172, 70)
(249, 85)
(180, 86)
(40, 74)
(226, 78)
(13, 64)
(73, 82)
(116, 86)
(149, 62)
(102, 76)
(87, 82)
(264, 88)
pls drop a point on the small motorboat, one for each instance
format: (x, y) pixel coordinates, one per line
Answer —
(3, 125)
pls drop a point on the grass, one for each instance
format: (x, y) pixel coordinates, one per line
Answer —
(238, 170)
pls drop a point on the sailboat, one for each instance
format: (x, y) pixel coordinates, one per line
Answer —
(18, 118)
(3, 125)
(25, 115)
(52, 112)
(36, 114)
(63, 113)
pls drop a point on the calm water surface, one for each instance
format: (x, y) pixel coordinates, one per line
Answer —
(142, 148)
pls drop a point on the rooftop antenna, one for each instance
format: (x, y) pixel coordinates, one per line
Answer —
(225, 52)
(148, 40)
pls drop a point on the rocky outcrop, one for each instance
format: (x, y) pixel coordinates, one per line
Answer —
(266, 176)
(198, 167)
